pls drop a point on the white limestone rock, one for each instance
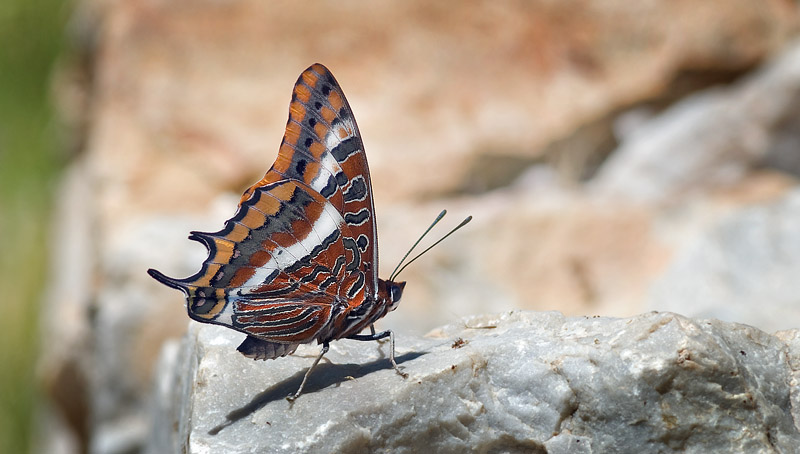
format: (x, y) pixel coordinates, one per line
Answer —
(744, 269)
(709, 139)
(515, 382)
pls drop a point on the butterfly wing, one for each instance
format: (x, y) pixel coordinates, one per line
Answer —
(302, 244)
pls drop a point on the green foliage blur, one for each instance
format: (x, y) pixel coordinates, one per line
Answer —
(31, 38)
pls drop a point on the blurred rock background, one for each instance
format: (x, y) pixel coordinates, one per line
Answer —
(31, 38)
(617, 157)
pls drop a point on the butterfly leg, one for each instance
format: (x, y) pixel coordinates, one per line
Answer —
(308, 372)
(378, 336)
(372, 330)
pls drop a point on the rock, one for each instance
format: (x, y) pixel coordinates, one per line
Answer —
(547, 69)
(744, 269)
(543, 250)
(133, 319)
(515, 382)
(64, 366)
(167, 385)
(709, 139)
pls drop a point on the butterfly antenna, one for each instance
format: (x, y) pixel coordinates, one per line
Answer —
(395, 273)
(435, 221)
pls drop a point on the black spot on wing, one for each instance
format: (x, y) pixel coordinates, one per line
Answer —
(362, 242)
(327, 283)
(330, 188)
(350, 244)
(356, 287)
(346, 148)
(326, 243)
(200, 303)
(308, 259)
(334, 277)
(357, 190)
(298, 264)
(357, 218)
(300, 166)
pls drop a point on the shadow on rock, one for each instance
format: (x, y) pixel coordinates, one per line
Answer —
(324, 376)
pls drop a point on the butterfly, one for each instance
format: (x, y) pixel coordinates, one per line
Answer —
(298, 262)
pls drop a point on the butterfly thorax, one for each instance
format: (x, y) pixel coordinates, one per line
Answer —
(354, 318)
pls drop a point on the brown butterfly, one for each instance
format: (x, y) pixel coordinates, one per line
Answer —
(298, 262)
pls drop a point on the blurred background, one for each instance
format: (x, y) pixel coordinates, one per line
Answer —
(31, 156)
(617, 157)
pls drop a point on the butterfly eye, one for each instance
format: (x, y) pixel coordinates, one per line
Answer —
(396, 291)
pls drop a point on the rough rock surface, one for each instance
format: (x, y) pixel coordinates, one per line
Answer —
(514, 382)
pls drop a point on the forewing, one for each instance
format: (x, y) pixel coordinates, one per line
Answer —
(323, 149)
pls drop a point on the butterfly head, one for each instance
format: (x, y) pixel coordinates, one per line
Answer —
(390, 293)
